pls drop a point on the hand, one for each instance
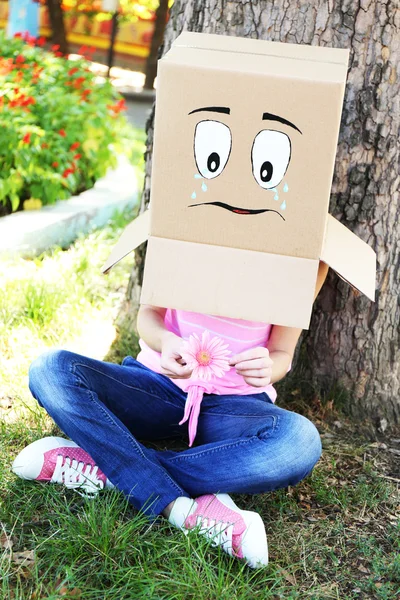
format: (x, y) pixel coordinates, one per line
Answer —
(172, 364)
(254, 365)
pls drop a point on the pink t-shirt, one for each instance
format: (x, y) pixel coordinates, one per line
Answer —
(238, 334)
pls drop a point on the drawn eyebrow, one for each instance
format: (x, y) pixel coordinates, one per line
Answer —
(218, 109)
(270, 117)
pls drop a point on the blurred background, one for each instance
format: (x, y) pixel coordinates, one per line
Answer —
(134, 29)
(72, 170)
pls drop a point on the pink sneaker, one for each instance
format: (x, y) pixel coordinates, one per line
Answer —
(58, 460)
(240, 533)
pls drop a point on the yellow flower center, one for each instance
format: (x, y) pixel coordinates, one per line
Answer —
(203, 358)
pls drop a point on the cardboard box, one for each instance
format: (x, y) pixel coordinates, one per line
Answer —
(244, 150)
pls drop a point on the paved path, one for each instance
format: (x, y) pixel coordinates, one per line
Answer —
(31, 232)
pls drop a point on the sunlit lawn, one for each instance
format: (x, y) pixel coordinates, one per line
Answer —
(336, 535)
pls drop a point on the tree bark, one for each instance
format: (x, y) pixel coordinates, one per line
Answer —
(156, 41)
(351, 342)
(56, 17)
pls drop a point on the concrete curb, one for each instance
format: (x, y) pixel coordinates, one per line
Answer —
(142, 96)
(29, 233)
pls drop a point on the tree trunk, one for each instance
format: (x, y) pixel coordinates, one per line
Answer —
(351, 341)
(156, 41)
(56, 17)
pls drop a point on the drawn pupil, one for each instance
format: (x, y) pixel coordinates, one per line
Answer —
(266, 171)
(213, 162)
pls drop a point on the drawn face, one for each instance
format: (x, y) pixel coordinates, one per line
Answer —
(270, 157)
(242, 161)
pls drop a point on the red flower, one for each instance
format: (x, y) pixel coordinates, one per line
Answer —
(71, 169)
(55, 47)
(59, 54)
(85, 94)
(41, 41)
(20, 59)
(44, 145)
(73, 71)
(77, 156)
(62, 132)
(27, 138)
(18, 35)
(82, 50)
(54, 164)
(74, 146)
(29, 39)
(27, 101)
(78, 82)
(119, 106)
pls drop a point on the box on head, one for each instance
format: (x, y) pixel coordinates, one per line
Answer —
(244, 150)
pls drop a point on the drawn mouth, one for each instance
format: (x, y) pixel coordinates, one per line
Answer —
(237, 210)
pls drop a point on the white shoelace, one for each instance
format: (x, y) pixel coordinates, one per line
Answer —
(73, 475)
(219, 531)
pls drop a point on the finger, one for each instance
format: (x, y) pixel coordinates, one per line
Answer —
(249, 355)
(257, 382)
(171, 365)
(255, 373)
(172, 375)
(255, 363)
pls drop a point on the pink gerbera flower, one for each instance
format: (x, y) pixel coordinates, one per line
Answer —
(207, 357)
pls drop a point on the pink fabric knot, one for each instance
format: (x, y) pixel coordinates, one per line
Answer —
(192, 410)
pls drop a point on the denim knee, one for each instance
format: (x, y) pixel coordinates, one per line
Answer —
(44, 372)
(306, 444)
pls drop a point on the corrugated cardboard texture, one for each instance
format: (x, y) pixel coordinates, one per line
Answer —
(271, 65)
(350, 257)
(229, 282)
(302, 87)
(228, 43)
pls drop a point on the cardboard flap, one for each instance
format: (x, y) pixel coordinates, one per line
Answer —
(228, 282)
(134, 234)
(350, 257)
(226, 43)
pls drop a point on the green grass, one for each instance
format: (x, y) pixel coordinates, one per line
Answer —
(105, 549)
(57, 299)
(334, 536)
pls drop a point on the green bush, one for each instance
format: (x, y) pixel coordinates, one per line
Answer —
(59, 128)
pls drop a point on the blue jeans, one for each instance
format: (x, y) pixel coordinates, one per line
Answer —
(244, 444)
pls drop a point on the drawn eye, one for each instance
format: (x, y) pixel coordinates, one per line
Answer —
(212, 147)
(270, 157)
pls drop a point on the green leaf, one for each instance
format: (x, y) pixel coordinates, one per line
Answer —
(14, 198)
